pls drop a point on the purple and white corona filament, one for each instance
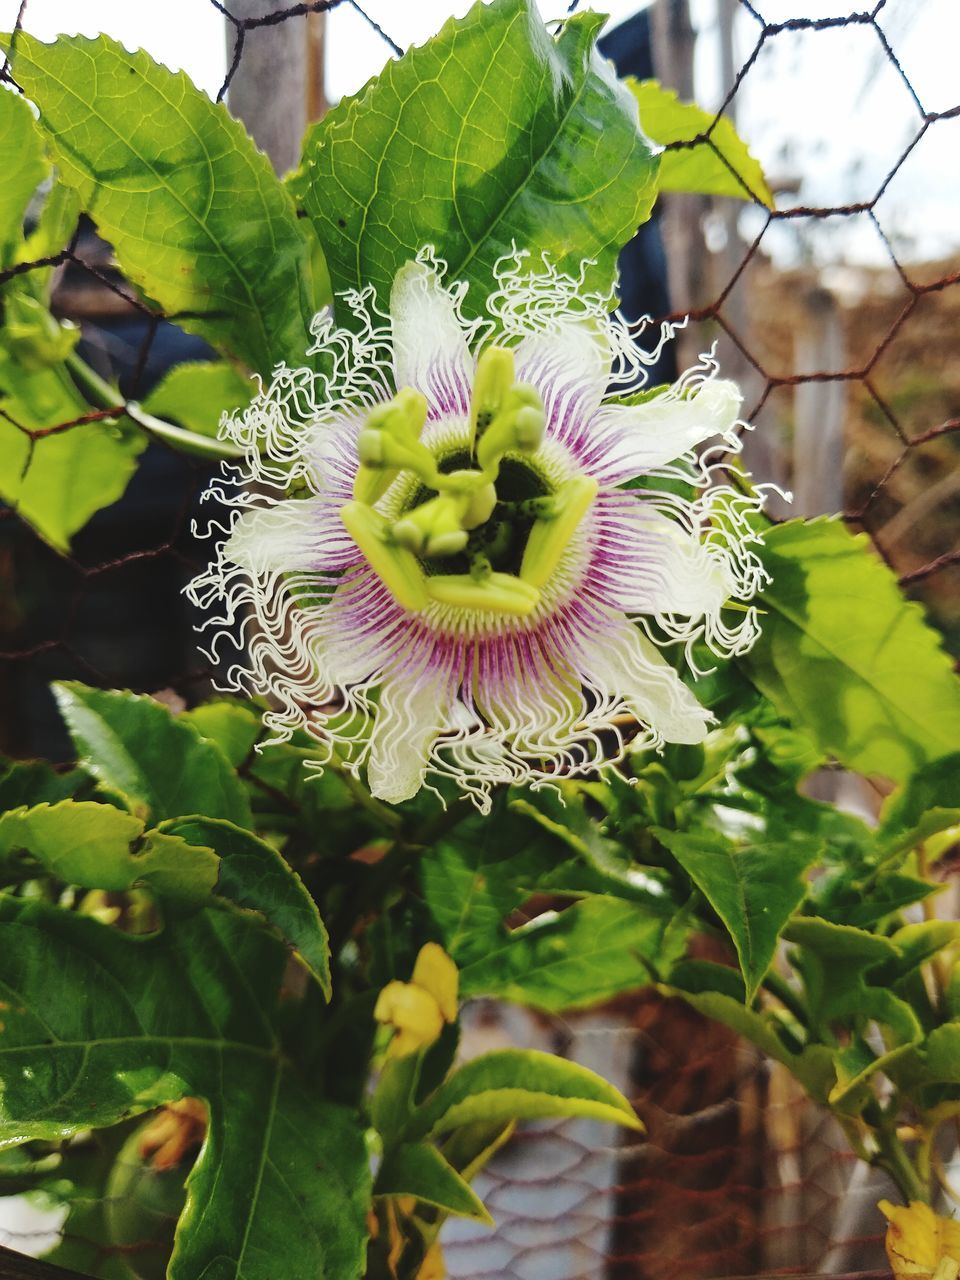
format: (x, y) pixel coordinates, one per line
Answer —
(454, 551)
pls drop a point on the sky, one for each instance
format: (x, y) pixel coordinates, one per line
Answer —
(825, 108)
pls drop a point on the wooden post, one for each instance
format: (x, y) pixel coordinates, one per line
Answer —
(278, 87)
(819, 409)
(674, 40)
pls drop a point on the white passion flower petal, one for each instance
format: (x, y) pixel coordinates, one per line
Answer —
(430, 350)
(291, 536)
(626, 441)
(466, 592)
(631, 670)
(410, 717)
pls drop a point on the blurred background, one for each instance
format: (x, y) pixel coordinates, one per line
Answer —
(837, 312)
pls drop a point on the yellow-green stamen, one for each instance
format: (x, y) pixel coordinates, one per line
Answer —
(464, 517)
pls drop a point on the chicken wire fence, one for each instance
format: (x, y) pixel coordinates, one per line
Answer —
(850, 377)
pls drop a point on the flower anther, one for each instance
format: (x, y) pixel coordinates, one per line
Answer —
(459, 548)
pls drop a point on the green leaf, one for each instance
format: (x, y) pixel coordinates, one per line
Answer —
(131, 1023)
(23, 165)
(491, 136)
(754, 887)
(720, 166)
(133, 745)
(928, 804)
(419, 1170)
(196, 216)
(88, 844)
(842, 653)
(519, 1084)
(24, 783)
(561, 960)
(196, 394)
(843, 969)
(813, 1065)
(57, 482)
(55, 226)
(255, 876)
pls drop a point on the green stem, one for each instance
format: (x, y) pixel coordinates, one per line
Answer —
(788, 997)
(891, 1155)
(100, 393)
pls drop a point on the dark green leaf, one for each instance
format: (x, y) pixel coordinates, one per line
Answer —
(725, 168)
(132, 1023)
(842, 653)
(813, 1066)
(419, 1170)
(928, 804)
(754, 887)
(133, 745)
(490, 136)
(195, 214)
(253, 875)
(520, 1084)
(24, 783)
(587, 953)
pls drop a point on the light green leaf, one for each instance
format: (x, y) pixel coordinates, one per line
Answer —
(842, 653)
(754, 887)
(23, 165)
(587, 953)
(196, 394)
(133, 745)
(55, 226)
(418, 1169)
(88, 844)
(519, 1084)
(196, 216)
(131, 1023)
(255, 876)
(57, 482)
(491, 136)
(725, 168)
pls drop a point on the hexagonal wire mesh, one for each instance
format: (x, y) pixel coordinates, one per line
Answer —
(736, 1176)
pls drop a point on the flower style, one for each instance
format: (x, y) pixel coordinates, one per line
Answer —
(456, 550)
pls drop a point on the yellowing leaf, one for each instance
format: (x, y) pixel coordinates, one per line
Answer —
(920, 1242)
(718, 161)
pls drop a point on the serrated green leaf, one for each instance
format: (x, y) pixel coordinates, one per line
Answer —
(254, 875)
(419, 1170)
(57, 482)
(754, 887)
(23, 165)
(195, 214)
(590, 952)
(88, 844)
(196, 394)
(133, 745)
(132, 1023)
(519, 1084)
(844, 654)
(491, 136)
(725, 168)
